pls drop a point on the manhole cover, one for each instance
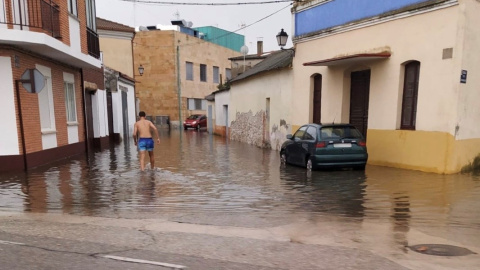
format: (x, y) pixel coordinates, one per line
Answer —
(441, 250)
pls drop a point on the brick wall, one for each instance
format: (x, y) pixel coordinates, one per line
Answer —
(95, 76)
(82, 17)
(29, 102)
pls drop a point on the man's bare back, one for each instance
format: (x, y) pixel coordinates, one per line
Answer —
(144, 127)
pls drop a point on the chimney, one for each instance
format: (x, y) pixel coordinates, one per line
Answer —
(259, 47)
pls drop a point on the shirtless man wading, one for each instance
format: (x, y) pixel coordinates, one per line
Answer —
(144, 140)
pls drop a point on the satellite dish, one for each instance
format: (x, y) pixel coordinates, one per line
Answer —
(244, 50)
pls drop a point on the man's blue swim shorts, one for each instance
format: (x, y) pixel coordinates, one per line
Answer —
(145, 144)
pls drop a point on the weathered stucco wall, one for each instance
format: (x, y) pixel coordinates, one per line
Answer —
(260, 109)
(249, 128)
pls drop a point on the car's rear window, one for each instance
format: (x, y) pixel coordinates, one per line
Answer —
(333, 133)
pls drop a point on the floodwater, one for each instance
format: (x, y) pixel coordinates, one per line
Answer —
(207, 175)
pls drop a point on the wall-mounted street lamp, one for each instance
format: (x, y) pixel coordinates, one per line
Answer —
(141, 70)
(282, 38)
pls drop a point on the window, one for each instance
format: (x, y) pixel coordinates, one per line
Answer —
(228, 74)
(311, 134)
(91, 14)
(46, 105)
(70, 102)
(72, 7)
(298, 136)
(189, 70)
(203, 72)
(45, 102)
(339, 132)
(197, 104)
(216, 75)
(410, 95)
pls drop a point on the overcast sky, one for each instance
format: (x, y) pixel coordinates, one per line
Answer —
(229, 18)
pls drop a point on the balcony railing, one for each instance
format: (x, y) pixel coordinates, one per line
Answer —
(26, 14)
(93, 43)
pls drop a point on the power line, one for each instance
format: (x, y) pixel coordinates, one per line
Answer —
(207, 4)
(229, 33)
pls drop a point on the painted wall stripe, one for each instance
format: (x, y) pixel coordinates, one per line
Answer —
(11, 243)
(125, 259)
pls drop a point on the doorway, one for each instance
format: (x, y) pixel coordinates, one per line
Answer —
(359, 98)
(317, 99)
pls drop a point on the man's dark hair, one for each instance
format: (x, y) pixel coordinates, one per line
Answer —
(141, 114)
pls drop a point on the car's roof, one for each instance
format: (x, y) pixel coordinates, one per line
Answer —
(330, 125)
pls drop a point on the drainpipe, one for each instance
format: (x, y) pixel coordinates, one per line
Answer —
(22, 131)
(179, 90)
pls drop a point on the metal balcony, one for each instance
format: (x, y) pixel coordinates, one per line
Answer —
(31, 15)
(93, 43)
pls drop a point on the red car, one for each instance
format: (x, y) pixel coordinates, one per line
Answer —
(196, 121)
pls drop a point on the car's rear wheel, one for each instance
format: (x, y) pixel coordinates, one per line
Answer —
(309, 164)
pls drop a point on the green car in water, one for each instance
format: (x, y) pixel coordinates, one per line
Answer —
(325, 146)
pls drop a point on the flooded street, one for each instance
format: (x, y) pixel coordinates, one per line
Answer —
(205, 179)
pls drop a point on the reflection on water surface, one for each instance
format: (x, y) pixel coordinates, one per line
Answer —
(206, 174)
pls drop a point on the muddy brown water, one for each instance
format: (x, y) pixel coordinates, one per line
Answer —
(204, 174)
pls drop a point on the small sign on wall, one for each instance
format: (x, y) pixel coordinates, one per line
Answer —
(463, 77)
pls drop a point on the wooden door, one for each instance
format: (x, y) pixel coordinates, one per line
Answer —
(317, 99)
(359, 98)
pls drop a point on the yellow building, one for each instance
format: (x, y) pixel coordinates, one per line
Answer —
(402, 71)
(177, 63)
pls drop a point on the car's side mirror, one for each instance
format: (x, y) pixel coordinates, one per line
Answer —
(289, 136)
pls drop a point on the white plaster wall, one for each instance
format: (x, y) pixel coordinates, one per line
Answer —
(222, 99)
(45, 101)
(469, 93)
(409, 38)
(117, 112)
(74, 28)
(99, 111)
(9, 141)
(131, 107)
(251, 95)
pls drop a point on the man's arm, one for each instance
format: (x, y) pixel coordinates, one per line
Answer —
(156, 131)
(135, 133)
